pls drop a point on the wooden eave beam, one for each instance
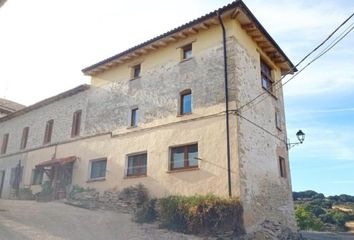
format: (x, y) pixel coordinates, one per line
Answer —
(235, 14)
(248, 26)
(192, 31)
(203, 26)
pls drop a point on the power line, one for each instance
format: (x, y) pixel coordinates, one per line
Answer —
(301, 61)
(328, 48)
(334, 43)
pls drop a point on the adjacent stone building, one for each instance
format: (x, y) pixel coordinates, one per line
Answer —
(7, 107)
(175, 113)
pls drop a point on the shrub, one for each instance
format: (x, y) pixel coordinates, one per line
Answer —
(146, 213)
(201, 214)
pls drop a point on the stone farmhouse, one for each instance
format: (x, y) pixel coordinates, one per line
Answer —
(171, 113)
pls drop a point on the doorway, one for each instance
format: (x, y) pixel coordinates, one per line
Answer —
(2, 179)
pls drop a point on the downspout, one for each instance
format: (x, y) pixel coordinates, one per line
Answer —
(226, 105)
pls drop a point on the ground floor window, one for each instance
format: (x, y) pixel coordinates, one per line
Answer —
(184, 157)
(98, 168)
(137, 165)
(37, 177)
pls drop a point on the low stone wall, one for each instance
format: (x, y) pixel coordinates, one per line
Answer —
(125, 201)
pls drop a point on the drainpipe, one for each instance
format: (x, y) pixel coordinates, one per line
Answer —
(226, 105)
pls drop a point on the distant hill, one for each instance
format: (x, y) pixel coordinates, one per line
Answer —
(314, 211)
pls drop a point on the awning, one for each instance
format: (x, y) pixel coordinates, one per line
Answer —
(57, 161)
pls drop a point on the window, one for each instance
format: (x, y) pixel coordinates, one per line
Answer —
(137, 165)
(134, 117)
(186, 102)
(184, 157)
(24, 138)
(277, 119)
(5, 140)
(98, 168)
(266, 75)
(16, 176)
(282, 167)
(136, 70)
(187, 52)
(48, 131)
(37, 177)
(75, 130)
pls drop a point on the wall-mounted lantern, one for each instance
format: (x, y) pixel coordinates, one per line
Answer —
(300, 136)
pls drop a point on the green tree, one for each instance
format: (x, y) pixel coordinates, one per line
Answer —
(306, 220)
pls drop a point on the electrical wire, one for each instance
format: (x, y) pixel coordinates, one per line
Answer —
(301, 61)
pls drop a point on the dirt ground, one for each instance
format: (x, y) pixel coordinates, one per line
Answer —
(29, 220)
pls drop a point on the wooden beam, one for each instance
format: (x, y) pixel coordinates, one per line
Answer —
(254, 33)
(248, 26)
(214, 21)
(152, 47)
(193, 31)
(162, 43)
(269, 49)
(172, 39)
(264, 44)
(203, 26)
(235, 14)
(259, 39)
(182, 35)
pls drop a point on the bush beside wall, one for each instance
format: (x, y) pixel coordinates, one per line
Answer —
(202, 215)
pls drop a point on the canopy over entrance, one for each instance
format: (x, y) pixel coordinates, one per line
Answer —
(56, 162)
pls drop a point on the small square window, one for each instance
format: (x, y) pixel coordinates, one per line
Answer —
(98, 168)
(137, 165)
(187, 51)
(136, 70)
(282, 167)
(134, 117)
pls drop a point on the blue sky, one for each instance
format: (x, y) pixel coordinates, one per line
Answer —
(45, 44)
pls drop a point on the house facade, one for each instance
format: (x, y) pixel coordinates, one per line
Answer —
(157, 114)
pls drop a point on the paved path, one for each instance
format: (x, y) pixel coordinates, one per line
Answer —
(29, 220)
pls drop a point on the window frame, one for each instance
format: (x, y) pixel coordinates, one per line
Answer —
(182, 96)
(76, 124)
(24, 138)
(34, 174)
(282, 167)
(185, 156)
(188, 48)
(136, 71)
(48, 131)
(267, 77)
(127, 174)
(94, 161)
(134, 117)
(5, 142)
